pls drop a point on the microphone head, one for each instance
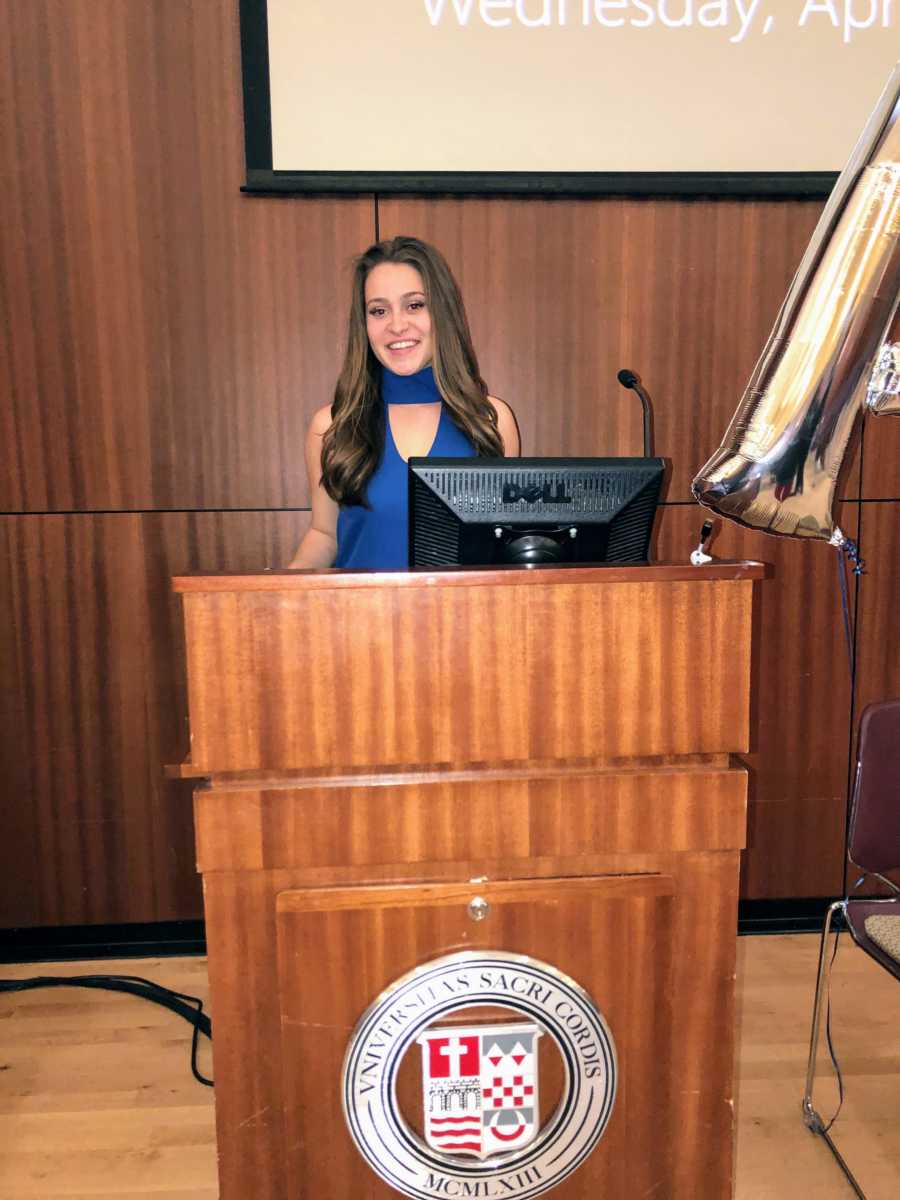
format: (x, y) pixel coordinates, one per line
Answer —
(628, 378)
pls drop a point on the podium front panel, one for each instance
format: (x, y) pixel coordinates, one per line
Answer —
(339, 949)
(413, 675)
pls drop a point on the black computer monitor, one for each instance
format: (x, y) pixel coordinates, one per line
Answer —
(495, 511)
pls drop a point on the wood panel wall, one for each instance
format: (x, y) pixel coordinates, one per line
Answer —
(164, 341)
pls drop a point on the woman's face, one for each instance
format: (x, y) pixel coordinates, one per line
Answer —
(397, 318)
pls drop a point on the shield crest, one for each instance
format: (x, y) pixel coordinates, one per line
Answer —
(480, 1088)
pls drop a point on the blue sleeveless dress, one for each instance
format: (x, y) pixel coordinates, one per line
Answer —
(377, 537)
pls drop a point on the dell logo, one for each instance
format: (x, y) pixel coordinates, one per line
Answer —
(549, 493)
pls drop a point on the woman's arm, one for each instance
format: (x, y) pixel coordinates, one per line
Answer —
(507, 427)
(319, 545)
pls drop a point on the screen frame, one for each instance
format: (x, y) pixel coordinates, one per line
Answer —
(261, 178)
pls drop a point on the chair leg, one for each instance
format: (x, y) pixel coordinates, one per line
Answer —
(811, 1116)
(823, 982)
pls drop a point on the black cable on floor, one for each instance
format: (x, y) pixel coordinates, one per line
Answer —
(133, 985)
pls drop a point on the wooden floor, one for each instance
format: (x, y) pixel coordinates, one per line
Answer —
(97, 1099)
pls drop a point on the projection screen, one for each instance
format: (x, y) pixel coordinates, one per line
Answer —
(560, 95)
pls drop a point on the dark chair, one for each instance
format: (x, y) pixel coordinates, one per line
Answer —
(874, 847)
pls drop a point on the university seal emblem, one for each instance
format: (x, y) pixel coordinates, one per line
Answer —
(480, 1088)
(477, 1127)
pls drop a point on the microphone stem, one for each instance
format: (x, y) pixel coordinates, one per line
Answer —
(629, 379)
(645, 405)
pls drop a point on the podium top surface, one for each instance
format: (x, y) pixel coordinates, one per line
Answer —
(513, 576)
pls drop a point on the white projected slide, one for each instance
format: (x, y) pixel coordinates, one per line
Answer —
(575, 85)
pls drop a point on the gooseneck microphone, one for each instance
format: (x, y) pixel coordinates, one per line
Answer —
(630, 379)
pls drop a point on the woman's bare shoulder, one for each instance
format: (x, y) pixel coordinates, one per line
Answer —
(321, 420)
(500, 406)
(508, 427)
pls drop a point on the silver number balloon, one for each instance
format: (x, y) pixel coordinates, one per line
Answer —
(883, 393)
(777, 466)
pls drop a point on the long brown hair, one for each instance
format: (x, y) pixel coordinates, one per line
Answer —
(352, 447)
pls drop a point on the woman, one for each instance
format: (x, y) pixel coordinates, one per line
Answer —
(409, 387)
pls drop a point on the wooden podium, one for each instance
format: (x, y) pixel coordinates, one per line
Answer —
(382, 758)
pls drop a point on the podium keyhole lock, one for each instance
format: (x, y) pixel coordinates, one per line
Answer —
(478, 908)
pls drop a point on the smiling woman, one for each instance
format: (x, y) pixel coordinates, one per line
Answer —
(410, 386)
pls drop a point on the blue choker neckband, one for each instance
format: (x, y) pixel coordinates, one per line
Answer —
(409, 389)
